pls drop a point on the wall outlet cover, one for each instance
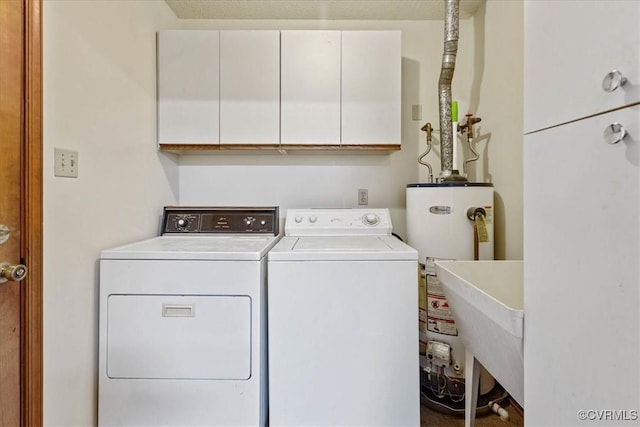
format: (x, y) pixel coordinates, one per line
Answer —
(363, 196)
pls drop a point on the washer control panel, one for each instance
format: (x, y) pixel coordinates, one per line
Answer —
(337, 222)
(186, 220)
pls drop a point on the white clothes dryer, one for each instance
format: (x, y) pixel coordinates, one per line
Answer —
(343, 322)
(183, 321)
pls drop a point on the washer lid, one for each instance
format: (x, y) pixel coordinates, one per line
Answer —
(195, 247)
(342, 248)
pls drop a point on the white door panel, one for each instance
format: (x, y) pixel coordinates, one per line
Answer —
(249, 87)
(310, 103)
(570, 47)
(371, 87)
(188, 87)
(179, 337)
(582, 252)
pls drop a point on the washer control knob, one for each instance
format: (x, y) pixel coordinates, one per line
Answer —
(313, 219)
(182, 222)
(298, 219)
(371, 219)
(249, 220)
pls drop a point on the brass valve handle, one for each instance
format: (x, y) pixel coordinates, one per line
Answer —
(429, 130)
(469, 126)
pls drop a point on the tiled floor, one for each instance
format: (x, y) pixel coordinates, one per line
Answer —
(431, 418)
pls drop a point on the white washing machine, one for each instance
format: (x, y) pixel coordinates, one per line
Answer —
(183, 321)
(343, 322)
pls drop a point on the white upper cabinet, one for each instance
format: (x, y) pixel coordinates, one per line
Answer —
(567, 59)
(249, 87)
(310, 87)
(371, 87)
(188, 82)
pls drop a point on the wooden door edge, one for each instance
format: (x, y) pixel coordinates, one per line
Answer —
(31, 301)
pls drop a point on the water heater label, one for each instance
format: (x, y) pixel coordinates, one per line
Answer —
(439, 316)
(438, 308)
(489, 217)
(444, 327)
(440, 210)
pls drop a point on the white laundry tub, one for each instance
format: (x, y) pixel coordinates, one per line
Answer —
(486, 299)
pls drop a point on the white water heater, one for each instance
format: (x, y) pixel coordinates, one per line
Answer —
(450, 221)
(437, 221)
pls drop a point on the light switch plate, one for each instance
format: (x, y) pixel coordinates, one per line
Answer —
(66, 163)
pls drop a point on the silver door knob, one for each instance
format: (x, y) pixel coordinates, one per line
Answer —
(12, 272)
(614, 133)
(613, 80)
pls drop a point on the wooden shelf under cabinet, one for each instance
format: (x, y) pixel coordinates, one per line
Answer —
(213, 148)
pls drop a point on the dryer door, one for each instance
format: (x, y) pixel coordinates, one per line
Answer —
(179, 337)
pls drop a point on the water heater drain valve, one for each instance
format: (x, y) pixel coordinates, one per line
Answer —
(458, 367)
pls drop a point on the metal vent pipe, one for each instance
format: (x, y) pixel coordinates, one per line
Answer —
(451, 25)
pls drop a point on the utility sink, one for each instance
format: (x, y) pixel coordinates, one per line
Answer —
(486, 299)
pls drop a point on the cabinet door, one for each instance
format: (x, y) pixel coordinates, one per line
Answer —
(371, 87)
(188, 82)
(581, 252)
(249, 87)
(570, 46)
(310, 97)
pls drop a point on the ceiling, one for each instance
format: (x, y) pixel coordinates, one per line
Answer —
(318, 9)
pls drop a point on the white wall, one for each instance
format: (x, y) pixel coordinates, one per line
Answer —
(497, 97)
(99, 99)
